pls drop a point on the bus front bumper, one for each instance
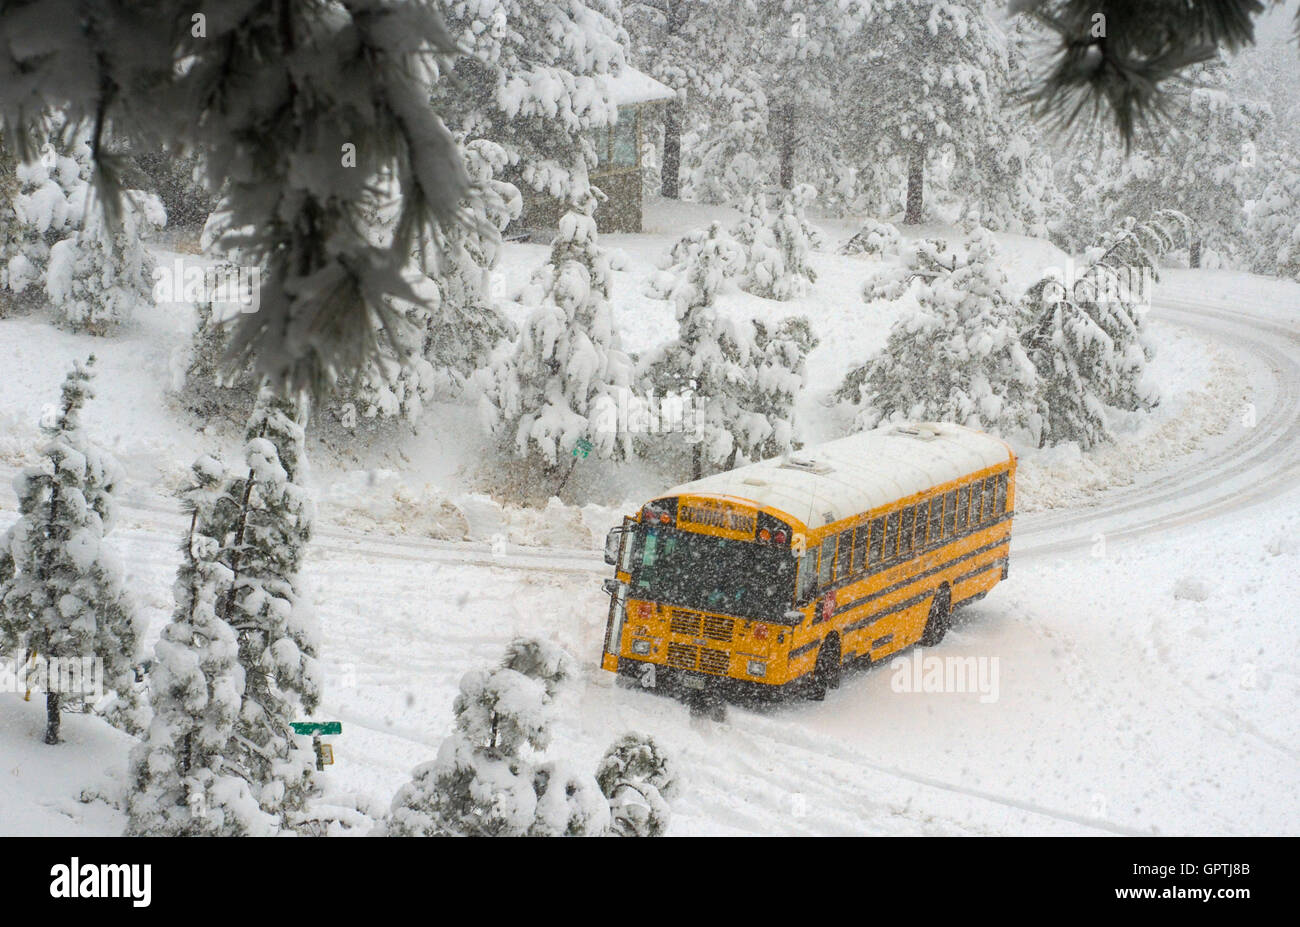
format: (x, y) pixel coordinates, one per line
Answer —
(671, 681)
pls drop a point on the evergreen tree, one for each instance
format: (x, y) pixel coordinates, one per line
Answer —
(1085, 336)
(925, 86)
(560, 380)
(777, 245)
(782, 375)
(480, 784)
(534, 80)
(265, 518)
(874, 238)
(183, 783)
(714, 359)
(1199, 165)
(957, 357)
(61, 591)
(1274, 225)
(638, 777)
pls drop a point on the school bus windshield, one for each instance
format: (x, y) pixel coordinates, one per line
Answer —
(740, 578)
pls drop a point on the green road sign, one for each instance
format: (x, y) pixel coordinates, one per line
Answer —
(317, 727)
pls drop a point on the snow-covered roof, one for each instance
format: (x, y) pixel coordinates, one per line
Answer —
(843, 478)
(631, 86)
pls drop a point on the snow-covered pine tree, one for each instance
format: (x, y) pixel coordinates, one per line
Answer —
(265, 519)
(63, 254)
(957, 357)
(99, 274)
(560, 380)
(923, 87)
(638, 778)
(1274, 226)
(533, 80)
(1086, 337)
(874, 238)
(64, 597)
(1069, 350)
(9, 237)
(782, 375)
(182, 782)
(694, 47)
(480, 784)
(713, 358)
(1199, 165)
(720, 164)
(777, 244)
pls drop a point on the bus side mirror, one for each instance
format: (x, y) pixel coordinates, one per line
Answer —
(612, 541)
(611, 587)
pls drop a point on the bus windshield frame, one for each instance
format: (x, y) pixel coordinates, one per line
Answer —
(681, 559)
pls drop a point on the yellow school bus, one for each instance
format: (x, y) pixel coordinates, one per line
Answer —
(772, 576)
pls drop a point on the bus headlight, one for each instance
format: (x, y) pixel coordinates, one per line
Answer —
(757, 668)
(641, 647)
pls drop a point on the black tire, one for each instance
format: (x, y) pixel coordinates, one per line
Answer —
(828, 671)
(937, 624)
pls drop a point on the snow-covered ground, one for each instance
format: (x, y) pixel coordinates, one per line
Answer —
(1144, 641)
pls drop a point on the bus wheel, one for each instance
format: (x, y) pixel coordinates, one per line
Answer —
(826, 674)
(936, 626)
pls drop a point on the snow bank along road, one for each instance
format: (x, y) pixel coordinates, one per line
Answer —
(403, 618)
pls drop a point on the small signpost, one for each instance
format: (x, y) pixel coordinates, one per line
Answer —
(583, 446)
(324, 752)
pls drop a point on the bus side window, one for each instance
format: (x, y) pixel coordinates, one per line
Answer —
(842, 562)
(1001, 505)
(828, 562)
(990, 494)
(906, 526)
(859, 549)
(877, 536)
(936, 519)
(950, 513)
(890, 549)
(807, 577)
(963, 505)
(922, 519)
(976, 498)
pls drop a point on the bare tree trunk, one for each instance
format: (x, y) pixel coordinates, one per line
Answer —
(697, 461)
(915, 185)
(1194, 253)
(52, 717)
(671, 186)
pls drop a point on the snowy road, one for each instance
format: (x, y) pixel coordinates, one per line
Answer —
(1107, 719)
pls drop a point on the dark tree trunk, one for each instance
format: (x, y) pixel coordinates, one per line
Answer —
(697, 461)
(1194, 253)
(52, 718)
(671, 187)
(915, 185)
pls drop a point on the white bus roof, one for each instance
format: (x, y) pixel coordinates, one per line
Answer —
(843, 478)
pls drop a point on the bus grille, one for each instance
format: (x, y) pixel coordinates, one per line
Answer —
(686, 623)
(693, 624)
(719, 629)
(685, 656)
(714, 661)
(682, 656)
